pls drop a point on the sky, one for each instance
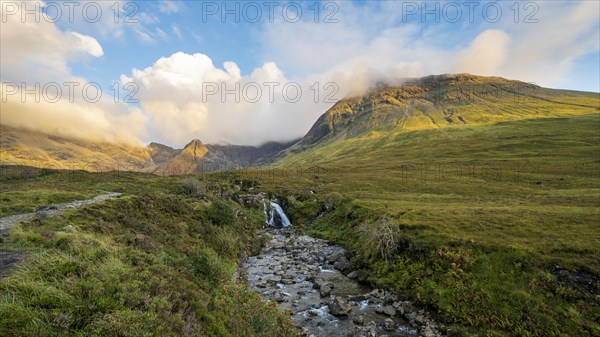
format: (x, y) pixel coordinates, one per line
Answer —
(249, 72)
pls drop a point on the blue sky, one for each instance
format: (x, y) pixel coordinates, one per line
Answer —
(175, 47)
(192, 27)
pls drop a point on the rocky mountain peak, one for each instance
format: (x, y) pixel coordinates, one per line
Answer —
(194, 143)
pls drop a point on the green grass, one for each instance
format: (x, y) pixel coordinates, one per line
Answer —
(24, 189)
(28, 201)
(496, 229)
(498, 225)
(150, 263)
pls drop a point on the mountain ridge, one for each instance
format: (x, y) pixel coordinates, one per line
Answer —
(430, 102)
(437, 101)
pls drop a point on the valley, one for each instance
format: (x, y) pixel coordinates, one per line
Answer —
(299, 168)
(474, 199)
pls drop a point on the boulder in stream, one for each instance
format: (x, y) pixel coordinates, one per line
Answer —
(386, 310)
(359, 320)
(352, 275)
(325, 289)
(278, 296)
(342, 265)
(339, 307)
(333, 257)
(427, 331)
(377, 293)
(389, 324)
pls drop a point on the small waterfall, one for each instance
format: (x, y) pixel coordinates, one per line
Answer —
(276, 216)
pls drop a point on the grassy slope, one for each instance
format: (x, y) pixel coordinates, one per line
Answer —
(445, 101)
(20, 146)
(155, 262)
(24, 188)
(498, 225)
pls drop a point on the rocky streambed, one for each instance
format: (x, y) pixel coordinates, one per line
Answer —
(302, 274)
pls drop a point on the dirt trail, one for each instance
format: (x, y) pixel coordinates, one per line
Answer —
(7, 222)
(8, 257)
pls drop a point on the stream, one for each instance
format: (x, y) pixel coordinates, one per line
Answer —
(299, 273)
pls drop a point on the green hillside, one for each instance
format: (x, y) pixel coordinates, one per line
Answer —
(495, 226)
(442, 101)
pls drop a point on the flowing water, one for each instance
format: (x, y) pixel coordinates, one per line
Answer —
(276, 217)
(292, 267)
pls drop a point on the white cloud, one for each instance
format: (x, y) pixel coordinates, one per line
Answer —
(170, 6)
(161, 33)
(545, 52)
(366, 46)
(88, 44)
(171, 94)
(144, 36)
(103, 121)
(177, 31)
(116, 20)
(485, 54)
(372, 43)
(40, 53)
(197, 37)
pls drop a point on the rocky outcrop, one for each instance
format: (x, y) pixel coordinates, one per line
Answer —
(197, 157)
